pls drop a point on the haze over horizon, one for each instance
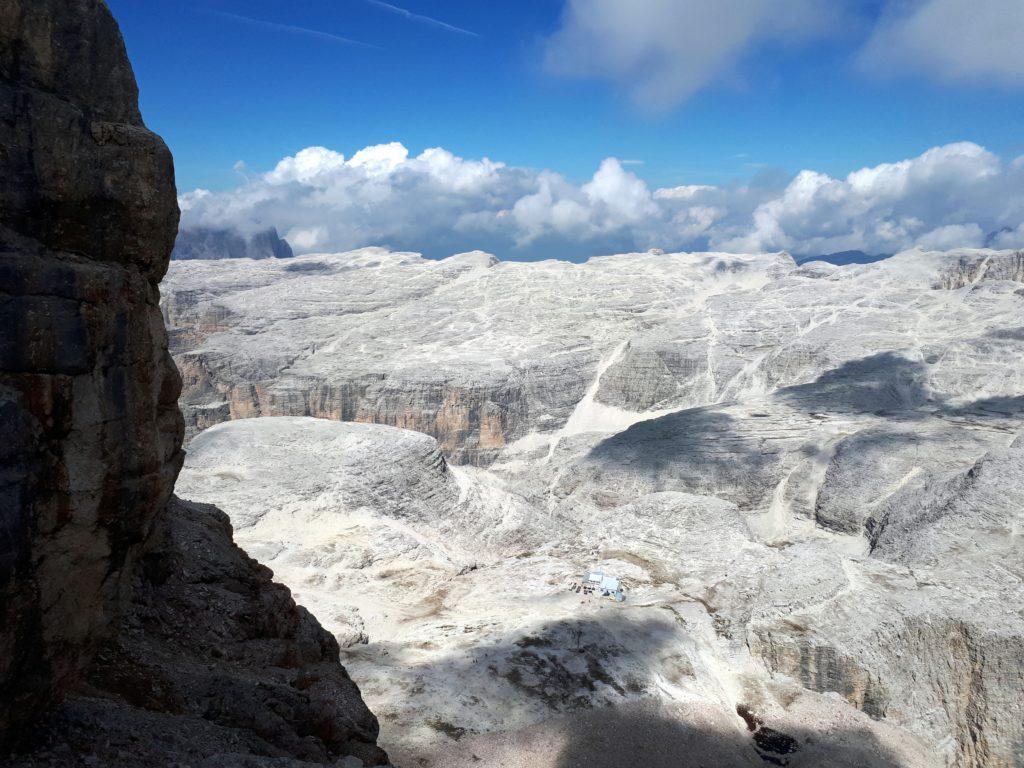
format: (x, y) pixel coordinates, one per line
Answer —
(576, 128)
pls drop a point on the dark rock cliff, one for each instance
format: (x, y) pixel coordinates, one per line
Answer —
(92, 434)
(129, 612)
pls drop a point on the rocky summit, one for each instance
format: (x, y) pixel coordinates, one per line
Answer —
(808, 480)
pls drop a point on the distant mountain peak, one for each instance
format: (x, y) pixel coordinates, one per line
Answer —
(226, 243)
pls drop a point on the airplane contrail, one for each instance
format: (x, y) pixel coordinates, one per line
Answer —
(423, 19)
(319, 34)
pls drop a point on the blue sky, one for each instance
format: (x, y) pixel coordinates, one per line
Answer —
(220, 90)
(254, 81)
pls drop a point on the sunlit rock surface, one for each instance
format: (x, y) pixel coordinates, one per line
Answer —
(887, 642)
(474, 352)
(809, 478)
(480, 354)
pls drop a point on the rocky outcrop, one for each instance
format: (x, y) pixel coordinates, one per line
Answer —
(135, 616)
(450, 593)
(474, 352)
(778, 460)
(795, 542)
(215, 661)
(1007, 265)
(92, 434)
(472, 423)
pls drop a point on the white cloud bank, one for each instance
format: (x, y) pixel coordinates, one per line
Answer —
(438, 203)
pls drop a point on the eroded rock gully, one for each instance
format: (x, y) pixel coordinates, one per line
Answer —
(134, 615)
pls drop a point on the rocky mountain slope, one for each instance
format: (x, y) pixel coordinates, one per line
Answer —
(808, 476)
(132, 630)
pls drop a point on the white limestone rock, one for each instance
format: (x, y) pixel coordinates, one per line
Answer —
(809, 479)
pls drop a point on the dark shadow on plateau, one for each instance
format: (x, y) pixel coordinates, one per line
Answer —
(991, 407)
(310, 267)
(888, 384)
(883, 383)
(651, 737)
(1009, 334)
(698, 450)
(707, 451)
(603, 713)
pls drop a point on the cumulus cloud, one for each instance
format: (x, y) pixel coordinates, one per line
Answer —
(664, 51)
(949, 196)
(438, 203)
(952, 39)
(613, 200)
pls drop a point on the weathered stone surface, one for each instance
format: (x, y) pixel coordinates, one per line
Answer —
(451, 591)
(159, 640)
(1007, 265)
(809, 482)
(480, 354)
(92, 433)
(214, 662)
(474, 352)
(82, 174)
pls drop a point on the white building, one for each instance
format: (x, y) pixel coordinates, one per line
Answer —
(608, 586)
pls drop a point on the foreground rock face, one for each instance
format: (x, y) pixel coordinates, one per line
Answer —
(213, 664)
(158, 638)
(92, 434)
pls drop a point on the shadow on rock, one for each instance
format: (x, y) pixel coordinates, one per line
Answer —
(588, 694)
(991, 407)
(888, 384)
(651, 737)
(1009, 334)
(655, 736)
(553, 667)
(883, 383)
(699, 450)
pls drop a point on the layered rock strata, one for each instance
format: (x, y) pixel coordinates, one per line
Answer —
(92, 437)
(480, 354)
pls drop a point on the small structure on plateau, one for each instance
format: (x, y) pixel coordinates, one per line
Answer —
(605, 585)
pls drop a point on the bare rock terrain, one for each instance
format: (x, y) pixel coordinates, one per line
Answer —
(808, 478)
(92, 434)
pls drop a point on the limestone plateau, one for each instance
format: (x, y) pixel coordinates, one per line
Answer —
(133, 632)
(810, 478)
